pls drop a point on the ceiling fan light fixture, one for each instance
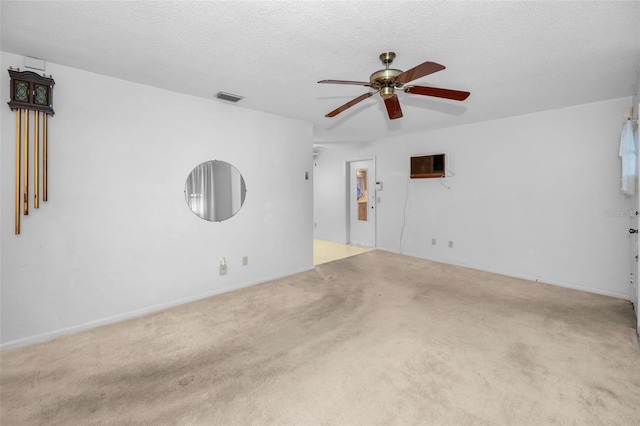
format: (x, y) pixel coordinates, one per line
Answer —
(386, 92)
(387, 80)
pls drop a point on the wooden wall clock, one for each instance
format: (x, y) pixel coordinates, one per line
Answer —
(31, 94)
(31, 91)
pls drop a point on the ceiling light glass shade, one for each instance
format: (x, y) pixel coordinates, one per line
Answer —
(386, 92)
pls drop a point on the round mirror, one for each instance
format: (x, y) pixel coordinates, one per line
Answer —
(215, 190)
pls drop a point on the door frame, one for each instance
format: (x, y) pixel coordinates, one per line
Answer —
(347, 213)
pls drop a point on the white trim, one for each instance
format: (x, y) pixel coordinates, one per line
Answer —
(14, 344)
(525, 277)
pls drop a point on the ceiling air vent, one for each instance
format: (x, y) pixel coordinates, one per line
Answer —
(228, 96)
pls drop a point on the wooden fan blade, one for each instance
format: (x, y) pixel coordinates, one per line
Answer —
(419, 71)
(456, 95)
(349, 104)
(357, 83)
(393, 107)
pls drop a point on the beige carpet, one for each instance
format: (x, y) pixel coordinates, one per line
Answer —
(376, 338)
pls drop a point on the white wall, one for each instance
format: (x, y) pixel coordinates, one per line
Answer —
(528, 199)
(116, 237)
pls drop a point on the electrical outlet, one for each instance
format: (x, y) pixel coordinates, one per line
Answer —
(223, 266)
(450, 244)
(245, 260)
(433, 241)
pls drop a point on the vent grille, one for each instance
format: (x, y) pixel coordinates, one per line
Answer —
(228, 97)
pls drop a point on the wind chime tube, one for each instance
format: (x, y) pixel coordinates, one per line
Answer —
(36, 159)
(25, 161)
(17, 212)
(45, 156)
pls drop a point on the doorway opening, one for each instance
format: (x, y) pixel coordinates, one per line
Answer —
(361, 202)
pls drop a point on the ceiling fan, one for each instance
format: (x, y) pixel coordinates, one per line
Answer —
(387, 80)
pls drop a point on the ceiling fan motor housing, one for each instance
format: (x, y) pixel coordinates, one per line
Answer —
(384, 80)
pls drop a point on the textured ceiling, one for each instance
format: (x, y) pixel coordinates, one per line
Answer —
(514, 57)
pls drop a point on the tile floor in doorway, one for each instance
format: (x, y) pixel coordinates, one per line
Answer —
(328, 251)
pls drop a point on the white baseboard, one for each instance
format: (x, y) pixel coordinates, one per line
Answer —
(14, 344)
(573, 286)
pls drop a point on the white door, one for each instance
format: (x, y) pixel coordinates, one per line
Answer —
(635, 293)
(635, 254)
(633, 248)
(362, 212)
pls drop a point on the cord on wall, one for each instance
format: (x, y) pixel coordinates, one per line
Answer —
(448, 173)
(446, 176)
(404, 213)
